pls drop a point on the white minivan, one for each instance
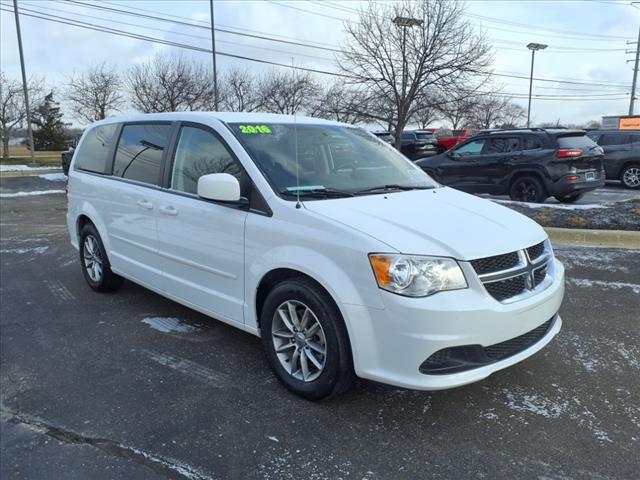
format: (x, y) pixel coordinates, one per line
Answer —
(344, 257)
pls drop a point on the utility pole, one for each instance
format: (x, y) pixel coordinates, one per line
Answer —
(533, 47)
(213, 53)
(635, 77)
(24, 84)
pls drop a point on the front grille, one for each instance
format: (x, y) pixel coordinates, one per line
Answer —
(535, 251)
(506, 288)
(466, 357)
(500, 351)
(495, 263)
(513, 274)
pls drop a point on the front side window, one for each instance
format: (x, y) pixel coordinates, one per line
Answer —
(309, 158)
(470, 148)
(140, 150)
(200, 152)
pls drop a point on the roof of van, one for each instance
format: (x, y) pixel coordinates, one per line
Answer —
(227, 117)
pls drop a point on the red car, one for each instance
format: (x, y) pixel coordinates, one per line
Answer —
(450, 138)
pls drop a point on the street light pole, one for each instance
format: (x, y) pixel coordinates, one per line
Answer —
(24, 84)
(635, 76)
(213, 53)
(533, 47)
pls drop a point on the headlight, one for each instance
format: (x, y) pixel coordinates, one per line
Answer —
(416, 275)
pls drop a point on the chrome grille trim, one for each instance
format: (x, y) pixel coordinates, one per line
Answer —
(527, 268)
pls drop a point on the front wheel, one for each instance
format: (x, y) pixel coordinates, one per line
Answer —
(306, 341)
(527, 189)
(630, 176)
(569, 198)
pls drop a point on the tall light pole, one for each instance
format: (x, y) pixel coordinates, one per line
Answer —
(635, 76)
(533, 47)
(404, 23)
(213, 53)
(24, 83)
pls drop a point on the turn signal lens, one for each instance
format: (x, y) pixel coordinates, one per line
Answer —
(381, 264)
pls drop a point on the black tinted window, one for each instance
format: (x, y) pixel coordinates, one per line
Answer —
(531, 143)
(94, 150)
(615, 139)
(199, 153)
(576, 141)
(502, 145)
(140, 150)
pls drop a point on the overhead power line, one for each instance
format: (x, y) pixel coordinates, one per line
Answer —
(124, 33)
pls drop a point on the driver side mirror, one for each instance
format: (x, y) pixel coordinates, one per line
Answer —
(220, 187)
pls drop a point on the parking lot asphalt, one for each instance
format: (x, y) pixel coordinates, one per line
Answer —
(132, 385)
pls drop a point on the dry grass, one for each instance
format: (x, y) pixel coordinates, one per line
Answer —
(577, 222)
(21, 155)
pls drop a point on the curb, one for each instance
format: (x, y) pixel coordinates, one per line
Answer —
(594, 238)
(27, 173)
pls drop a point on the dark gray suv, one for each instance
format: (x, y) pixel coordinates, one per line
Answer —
(621, 154)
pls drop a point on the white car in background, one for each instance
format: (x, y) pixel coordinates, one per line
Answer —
(341, 254)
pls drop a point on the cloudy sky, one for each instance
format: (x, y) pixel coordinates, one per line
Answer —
(586, 57)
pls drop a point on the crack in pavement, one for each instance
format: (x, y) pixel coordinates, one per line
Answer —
(167, 467)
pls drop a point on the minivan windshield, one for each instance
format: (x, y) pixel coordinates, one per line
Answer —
(332, 160)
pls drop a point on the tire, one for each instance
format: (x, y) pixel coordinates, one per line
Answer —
(527, 189)
(569, 198)
(630, 176)
(325, 375)
(96, 268)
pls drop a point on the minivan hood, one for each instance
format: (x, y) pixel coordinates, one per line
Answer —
(440, 221)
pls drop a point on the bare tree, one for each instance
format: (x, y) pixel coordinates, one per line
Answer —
(12, 109)
(95, 94)
(340, 102)
(428, 110)
(495, 111)
(458, 111)
(403, 50)
(287, 92)
(238, 91)
(169, 84)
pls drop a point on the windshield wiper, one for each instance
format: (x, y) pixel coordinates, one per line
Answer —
(390, 187)
(316, 192)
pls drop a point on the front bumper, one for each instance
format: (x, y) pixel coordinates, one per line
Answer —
(390, 344)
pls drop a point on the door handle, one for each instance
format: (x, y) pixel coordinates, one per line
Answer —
(169, 210)
(145, 204)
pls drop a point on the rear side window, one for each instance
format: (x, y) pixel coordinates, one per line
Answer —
(502, 145)
(92, 156)
(199, 153)
(576, 141)
(531, 143)
(140, 150)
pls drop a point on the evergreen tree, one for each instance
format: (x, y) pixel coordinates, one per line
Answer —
(49, 133)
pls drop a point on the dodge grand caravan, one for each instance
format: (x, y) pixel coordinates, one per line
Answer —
(344, 257)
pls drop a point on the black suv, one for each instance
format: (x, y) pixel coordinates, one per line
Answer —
(418, 144)
(621, 154)
(527, 164)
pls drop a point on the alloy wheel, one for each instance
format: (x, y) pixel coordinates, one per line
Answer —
(92, 258)
(631, 177)
(299, 340)
(526, 191)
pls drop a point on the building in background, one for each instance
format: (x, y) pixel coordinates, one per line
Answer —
(623, 122)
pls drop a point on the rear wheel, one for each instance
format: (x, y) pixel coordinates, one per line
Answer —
(569, 198)
(305, 340)
(630, 176)
(527, 189)
(95, 263)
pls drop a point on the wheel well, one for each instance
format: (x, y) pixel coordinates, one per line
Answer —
(631, 163)
(81, 222)
(273, 278)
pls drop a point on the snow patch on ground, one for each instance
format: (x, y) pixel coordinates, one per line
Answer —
(24, 168)
(600, 353)
(552, 205)
(169, 325)
(21, 251)
(53, 177)
(603, 284)
(597, 259)
(30, 194)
